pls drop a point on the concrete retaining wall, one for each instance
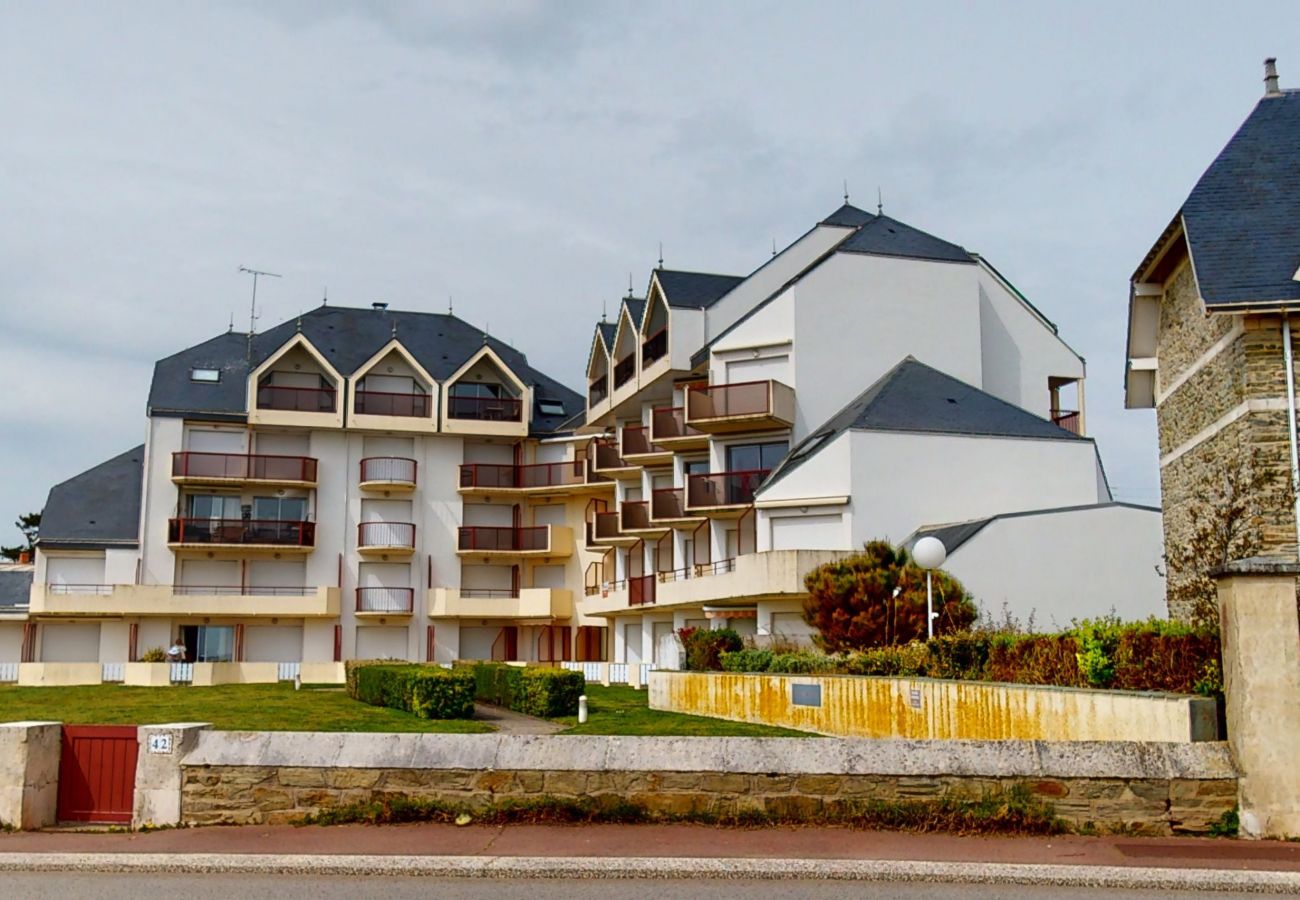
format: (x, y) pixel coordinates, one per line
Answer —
(927, 708)
(29, 773)
(233, 777)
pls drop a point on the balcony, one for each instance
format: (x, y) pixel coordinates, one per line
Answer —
(241, 534)
(624, 371)
(297, 399)
(654, 348)
(170, 601)
(668, 429)
(744, 406)
(388, 473)
(486, 409)
(385, 538)
(529, 603)
(385, 601)
(191, 467)
(604, 529)
(668, 508)
(641, 590)
(536, 540)
(634, 518)
(606, 461)
(1067, 419)
(598, 392)
(638, 449)
(723, 493)
(490, 478)
(384, 403)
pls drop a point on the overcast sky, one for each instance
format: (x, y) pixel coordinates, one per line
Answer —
(524, 157)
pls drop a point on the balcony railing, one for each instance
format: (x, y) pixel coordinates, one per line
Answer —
(607, 456)
(636, 441)
(654, 347)
(392, 469)
(489, 593)
(667, 504)
(384, 403)
(636, 515)
(725, 401)
(514, 540)
(605, 526)
(539, 475)
(669, 423)
(241, 531)
(296, 399)
(386, 534)
(1067, 419)
(212, 590)
(486, 409)
(624, 371)
(385, 599)
(723, 488)
(243, 467)
(641, 590)
(598, 391)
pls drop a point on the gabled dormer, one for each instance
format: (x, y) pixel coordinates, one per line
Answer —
(296, 385)
(599, 371)
(627, 348)
(484, 396)
(655, 358)
(393, 392)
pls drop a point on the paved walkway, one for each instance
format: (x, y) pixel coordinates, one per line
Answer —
(510, 722)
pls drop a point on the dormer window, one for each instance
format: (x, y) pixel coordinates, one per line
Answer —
(205, 376)
(550, 407)
(484, 401)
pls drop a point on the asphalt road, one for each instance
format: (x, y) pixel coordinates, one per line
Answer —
(59, 886)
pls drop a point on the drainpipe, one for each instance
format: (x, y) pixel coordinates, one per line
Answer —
(1290, 422)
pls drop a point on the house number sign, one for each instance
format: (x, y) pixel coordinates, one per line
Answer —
(160, 743)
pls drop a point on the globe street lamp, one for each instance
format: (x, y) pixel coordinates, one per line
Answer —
(929, 553)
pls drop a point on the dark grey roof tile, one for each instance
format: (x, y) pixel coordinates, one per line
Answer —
(883, 236)
(15, 588)
(99, 507)
(695, 290)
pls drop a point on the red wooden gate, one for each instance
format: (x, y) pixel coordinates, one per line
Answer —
(97, 773)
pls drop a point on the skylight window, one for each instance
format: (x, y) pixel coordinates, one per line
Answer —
(810, 447)
(550, 407)
(208, 376)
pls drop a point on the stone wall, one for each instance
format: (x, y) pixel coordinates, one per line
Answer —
(29, 773)
(1185, 330)
(270, 778)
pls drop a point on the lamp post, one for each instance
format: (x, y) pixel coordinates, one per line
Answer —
(929, 553)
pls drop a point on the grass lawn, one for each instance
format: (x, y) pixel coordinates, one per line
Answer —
(619, 709)
(230, 707)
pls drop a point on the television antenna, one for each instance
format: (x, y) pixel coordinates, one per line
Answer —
(252, 307)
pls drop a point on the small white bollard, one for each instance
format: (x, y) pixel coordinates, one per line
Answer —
(297, 681)
(582, 709)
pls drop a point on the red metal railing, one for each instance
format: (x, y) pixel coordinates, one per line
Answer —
(636, 439)
(720, 401)
(478, 537)
(654, 347)
(1067, 419)
(387, 403)
(386, 534)
(241, 531)
(668, 503)
(669, 422)
(641, 590)
(723, 488)
(296, 399)
(389, 468)
(598, 391)
(624, 371)
(636, 514)
(486, 409)
(385, 599)
(607, 456)
(537, 475)
(605, 525)
(243, 466)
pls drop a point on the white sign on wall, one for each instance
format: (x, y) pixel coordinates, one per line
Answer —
(161, 743)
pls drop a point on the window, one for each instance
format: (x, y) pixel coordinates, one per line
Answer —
(214, 506)
(208, 643)
(753, 457)
(477, 389)
(280, 509)
(695, 467)
(205, 375)
(550, 407)
(810, 446)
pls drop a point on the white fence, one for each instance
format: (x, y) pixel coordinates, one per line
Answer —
(619, 673)
(8, 672)
(589, 670)
(113, 673)
(182, 673)
(288, 671)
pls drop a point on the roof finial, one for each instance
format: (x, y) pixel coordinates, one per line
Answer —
(1271, 87)
(450, 308)
(231, 329)
(394, 329)
(846, 190)
(300, 323)
(774, 246)
(602, 311)
(880, 202)
(629, 285)
(325, 296)
(487, 326)
(661, 254)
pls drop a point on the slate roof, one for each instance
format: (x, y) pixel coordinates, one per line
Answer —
(1243, 217)
(883, 236)
(98, 508)
(346, 337)
(848, 216)
(607, 330)
(635, 308)
(694, 290)
(15, 587)
(913, 397)
(954, 535)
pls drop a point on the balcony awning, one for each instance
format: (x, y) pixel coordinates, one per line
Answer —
(724, 612)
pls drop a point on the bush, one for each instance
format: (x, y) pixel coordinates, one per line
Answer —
(704, 647)
(747, 660)
(906, 661)
(352, 666)
(154, 655)
(428, 692)
(546, 693)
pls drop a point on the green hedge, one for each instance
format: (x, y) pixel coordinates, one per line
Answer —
(429, 692)
(705, 647)
(546, 693)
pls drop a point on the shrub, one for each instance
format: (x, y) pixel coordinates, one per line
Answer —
(704, 647)
(747, 660)
(546, 693)
(352, 666)
(1035, 659)
(878, 598)
(154, 655)
(805, 662)
(909, 660)
(428, 692)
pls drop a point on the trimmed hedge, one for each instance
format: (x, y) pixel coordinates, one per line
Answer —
(428, 692)
(545, 693)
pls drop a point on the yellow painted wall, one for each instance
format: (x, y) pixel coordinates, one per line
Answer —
(923, 708)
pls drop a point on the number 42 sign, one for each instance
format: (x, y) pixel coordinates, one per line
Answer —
(160, 743)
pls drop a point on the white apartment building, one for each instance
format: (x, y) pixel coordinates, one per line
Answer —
(363, 483)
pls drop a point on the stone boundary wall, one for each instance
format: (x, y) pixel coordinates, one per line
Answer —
(267, 778)
(935, 709)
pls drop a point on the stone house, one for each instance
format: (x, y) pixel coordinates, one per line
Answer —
(1210, 343)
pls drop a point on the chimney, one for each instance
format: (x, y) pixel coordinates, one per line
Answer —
(379, 305)
(1270, 78)
(24, 557)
